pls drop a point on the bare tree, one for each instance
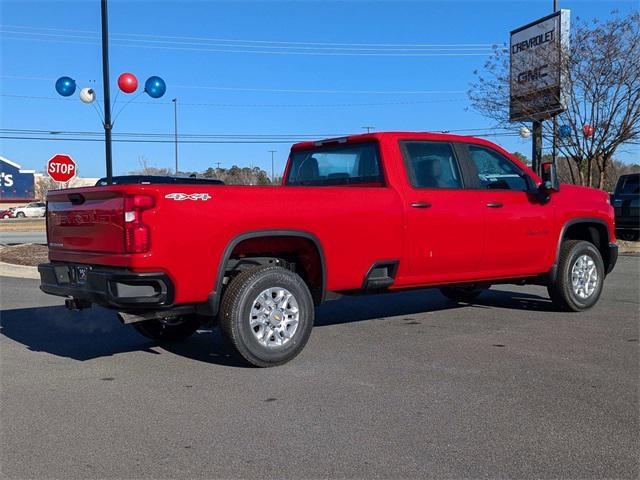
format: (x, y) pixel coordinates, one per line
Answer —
(146, 169)
(602, 72)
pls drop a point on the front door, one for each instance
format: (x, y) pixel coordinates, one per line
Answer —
(518, 225)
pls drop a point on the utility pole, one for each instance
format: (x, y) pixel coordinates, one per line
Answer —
(107, 93)
(536, 131)
(368, 129)
(273, 170)
(175, 128)
(217, 165)
(554, 143)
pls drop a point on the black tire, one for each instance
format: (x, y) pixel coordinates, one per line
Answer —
(463, 294)
(628, 235)
(236, 310)
(561, 291)
(170, 329)
(20, 215)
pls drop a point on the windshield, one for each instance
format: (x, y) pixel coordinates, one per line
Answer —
(357, 165)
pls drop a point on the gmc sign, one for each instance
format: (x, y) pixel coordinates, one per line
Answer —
(537, 83)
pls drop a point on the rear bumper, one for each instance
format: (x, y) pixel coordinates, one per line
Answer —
(613, 258)
(114, 288)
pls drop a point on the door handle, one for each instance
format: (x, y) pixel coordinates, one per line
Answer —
(420, 205)
(494, 205)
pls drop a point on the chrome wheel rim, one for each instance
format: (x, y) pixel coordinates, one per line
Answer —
(274, 317)
(584, 276)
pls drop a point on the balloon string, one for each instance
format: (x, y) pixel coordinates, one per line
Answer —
(98, 112)
(115, 100)
(125, 106)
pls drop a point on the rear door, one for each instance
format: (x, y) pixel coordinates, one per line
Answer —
(444, 241)
(517, 224)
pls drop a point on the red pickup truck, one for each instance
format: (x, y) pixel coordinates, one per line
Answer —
(366, 213)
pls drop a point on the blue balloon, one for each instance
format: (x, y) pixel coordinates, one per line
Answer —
(564, 131)
(155, 87)
(65, 86)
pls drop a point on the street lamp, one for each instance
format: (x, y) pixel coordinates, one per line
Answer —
(273, 170)
(175, 128)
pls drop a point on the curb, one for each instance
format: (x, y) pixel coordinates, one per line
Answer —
(18, 271)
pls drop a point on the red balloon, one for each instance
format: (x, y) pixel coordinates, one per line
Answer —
(128, 82)
(587, 130)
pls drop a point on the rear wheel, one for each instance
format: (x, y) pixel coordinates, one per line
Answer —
(462, 293)
(168, 329)
(580, 276)
(267, 315)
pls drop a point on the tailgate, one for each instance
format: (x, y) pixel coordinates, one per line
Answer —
(91, 220)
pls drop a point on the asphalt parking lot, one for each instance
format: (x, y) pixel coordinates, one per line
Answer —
(407, 385)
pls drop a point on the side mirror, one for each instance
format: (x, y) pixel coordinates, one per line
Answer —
(549, 177)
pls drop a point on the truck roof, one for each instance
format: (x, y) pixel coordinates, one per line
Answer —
(363, 137)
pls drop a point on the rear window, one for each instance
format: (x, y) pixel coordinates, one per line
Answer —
(345, 165)
(431, 164)
(630, 185)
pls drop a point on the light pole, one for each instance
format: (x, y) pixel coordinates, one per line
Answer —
(273, 170)
(368, 129)
(107, 92)
(175, 128)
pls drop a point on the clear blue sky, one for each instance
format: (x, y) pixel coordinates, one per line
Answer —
(34, 54)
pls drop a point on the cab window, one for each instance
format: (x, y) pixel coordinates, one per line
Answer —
(431, 164)
(495, 171)
(345, 165)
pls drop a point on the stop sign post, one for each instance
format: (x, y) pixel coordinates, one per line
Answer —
(61, 168)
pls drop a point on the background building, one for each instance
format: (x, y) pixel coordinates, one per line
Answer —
(17, 185)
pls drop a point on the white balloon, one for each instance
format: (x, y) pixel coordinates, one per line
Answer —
(525, 132)
(87, 95)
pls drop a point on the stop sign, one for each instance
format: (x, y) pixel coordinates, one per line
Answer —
(61, 168)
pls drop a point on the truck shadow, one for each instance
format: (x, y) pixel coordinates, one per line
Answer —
(96, 332)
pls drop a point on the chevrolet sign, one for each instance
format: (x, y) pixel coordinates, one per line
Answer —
(537, 81)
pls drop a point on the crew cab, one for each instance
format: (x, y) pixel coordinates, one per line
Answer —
(370, 213)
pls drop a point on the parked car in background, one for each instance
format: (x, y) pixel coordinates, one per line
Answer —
(35, 209)
(6, 213)
(626, 203)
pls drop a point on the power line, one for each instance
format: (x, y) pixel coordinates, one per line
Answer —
(291, 46)
(282, 90)
(121, 140)
(266, 42)
(255, 105)
(78, 40)
(142, 137)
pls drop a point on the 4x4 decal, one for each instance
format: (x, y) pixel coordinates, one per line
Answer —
(188, 196)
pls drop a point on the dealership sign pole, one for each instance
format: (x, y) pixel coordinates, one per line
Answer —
(538, 89)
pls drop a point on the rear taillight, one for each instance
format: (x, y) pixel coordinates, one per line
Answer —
(137, 235)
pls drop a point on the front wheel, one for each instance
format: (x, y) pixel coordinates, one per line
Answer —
(168, 329)
(580, 276)
(20, 215)
(266, 315)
